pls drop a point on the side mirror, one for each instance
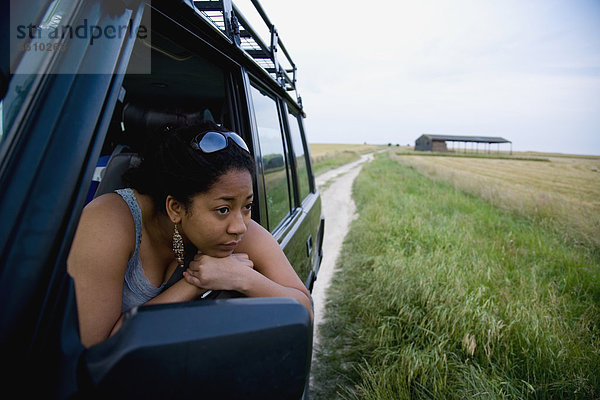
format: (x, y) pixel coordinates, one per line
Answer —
(250, 348)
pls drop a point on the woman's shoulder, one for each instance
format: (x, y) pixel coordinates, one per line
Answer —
(106, 234)
(256, 230)
(256, 237)
(108, 205)
(109, 214)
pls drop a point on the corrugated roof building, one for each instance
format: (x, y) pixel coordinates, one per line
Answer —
(437, 143)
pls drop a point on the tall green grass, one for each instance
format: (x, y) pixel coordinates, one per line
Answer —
(440, 295)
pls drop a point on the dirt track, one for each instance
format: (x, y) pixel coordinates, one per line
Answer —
(338, 209)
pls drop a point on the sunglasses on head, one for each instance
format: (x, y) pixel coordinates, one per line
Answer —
(212, 141)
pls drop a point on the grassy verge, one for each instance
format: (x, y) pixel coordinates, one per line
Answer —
(441, 295)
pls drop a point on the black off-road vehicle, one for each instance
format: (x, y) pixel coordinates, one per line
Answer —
(83, 84)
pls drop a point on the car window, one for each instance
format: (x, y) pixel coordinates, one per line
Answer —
(273, 156)
(17, 95)
(300, 155)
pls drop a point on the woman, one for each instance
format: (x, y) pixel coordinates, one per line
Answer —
(192, 191)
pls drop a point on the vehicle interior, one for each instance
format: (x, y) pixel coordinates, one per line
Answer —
(182, 88)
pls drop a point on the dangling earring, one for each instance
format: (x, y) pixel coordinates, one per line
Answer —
(178, 249)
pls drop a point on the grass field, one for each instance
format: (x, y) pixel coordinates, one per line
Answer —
(564, 191)
(326, 156)
(322, 149)
(442, 294)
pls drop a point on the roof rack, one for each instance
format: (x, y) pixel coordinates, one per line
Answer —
(229, 20)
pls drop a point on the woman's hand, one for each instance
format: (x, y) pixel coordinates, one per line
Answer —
(227, 273)
(260, 269)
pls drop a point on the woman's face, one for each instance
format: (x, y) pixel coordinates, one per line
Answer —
(218, 218)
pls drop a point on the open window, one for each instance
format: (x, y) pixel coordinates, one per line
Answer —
(233, 348)
(185, 86)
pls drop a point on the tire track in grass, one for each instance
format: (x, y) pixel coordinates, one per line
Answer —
(339, 211)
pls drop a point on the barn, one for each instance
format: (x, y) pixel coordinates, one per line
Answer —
(439, 143)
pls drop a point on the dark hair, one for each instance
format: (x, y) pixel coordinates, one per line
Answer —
(170, 166)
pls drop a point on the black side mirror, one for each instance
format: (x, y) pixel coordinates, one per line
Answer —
(249, 348)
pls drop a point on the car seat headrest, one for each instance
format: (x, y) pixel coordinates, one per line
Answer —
(113, 173)
(141, 120)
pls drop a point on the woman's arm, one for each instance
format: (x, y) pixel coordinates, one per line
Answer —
(103, 244)
(270, 273)
(178, 292)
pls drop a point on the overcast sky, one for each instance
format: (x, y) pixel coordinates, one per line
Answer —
(389, 71)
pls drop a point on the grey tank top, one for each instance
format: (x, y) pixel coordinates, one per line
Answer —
(137, 289)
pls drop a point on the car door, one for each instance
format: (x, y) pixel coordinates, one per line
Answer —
(289, 191)
(312, 223)
(54, 116)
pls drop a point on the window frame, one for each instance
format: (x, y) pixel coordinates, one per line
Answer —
(282, 226)
(291, 111)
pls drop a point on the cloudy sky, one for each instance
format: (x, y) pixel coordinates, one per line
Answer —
(388, 71)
